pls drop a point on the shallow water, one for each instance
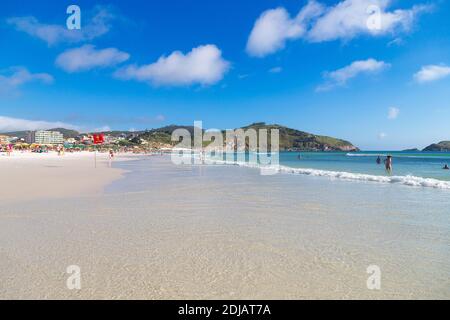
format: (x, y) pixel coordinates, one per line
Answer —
(329, 231)
(227, 232)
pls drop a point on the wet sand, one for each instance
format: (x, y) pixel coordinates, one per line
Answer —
(194, 232)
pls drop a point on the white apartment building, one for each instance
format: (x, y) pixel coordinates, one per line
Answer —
(45, 137)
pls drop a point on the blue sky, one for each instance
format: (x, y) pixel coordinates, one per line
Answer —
(315, 66)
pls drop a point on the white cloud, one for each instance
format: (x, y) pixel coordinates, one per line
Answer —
(57, 33)
(8, 124)
(351, 18)
(317, 23)
(340, 77)
(15, 77)
(276, 70)
(271, 31)
(202, 65)
(432, 73)
(274, 27)
(393, 113)
(382, 135)
(87, 57)
(396, 42)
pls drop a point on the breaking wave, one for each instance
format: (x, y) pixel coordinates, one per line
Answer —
(366, 155)
(419, 156)
(408, 180)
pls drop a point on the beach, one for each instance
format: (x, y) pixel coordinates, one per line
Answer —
(28, 176)
(149, 229)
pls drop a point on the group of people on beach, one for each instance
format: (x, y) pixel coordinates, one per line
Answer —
(387, 163)
(8, 149)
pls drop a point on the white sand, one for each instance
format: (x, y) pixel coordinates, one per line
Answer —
(181, 232)
(26, 176)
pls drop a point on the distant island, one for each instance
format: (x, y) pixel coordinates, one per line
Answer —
(441, 146)
(411, 150)
(290, 139)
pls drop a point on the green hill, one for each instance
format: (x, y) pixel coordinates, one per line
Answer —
(67, 133)
(162, 135)
(441, 146)
(411, 150)
(290, 139)
(295, 140)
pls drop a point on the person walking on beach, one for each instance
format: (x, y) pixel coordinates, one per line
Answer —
(111, 157)
(203, 156)
(388, 163)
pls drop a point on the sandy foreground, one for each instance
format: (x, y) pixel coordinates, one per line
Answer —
(204, 232)
(27, 176)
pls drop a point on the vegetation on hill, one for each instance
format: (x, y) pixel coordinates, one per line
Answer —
(66, 132)
(18, 134)
(441, 146)
(290, 139)
(411, 150)
(295, 140)
(163, 135)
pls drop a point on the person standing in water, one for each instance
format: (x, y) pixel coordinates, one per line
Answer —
(446, 167)
(379, 160)
(388, 163)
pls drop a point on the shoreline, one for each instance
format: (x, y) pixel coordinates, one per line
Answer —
(407, 180)
(225, 232)
(31, 176)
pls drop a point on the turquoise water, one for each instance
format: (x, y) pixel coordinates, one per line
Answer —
(420, 169)
(419, 164)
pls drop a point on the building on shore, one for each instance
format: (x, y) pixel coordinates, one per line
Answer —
(5, 139)
(45, 137)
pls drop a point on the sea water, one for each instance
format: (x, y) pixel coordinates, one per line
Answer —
(420, 164)
(288, 235)
(420, 169)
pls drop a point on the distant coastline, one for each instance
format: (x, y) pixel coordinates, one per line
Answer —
(161, 138)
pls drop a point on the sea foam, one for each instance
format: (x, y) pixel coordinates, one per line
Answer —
(408, 180)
